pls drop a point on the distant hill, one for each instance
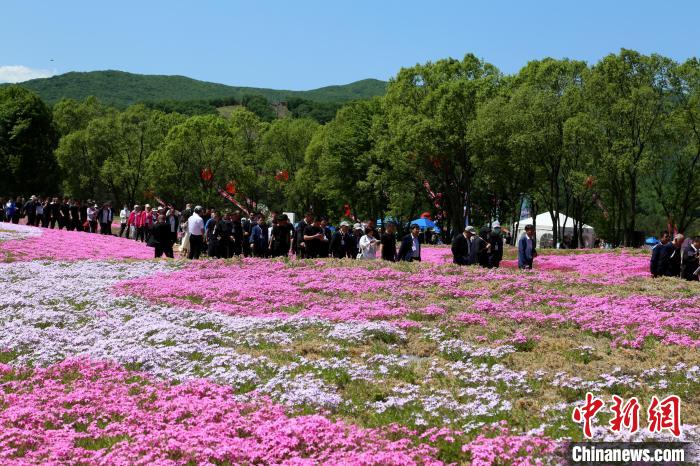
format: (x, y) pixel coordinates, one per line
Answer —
(120, 89)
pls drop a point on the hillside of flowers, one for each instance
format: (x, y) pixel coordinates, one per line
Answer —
(110, 357)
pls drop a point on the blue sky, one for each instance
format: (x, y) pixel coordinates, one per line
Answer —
(307, 44)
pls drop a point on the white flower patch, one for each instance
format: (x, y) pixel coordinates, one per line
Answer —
(11, 231)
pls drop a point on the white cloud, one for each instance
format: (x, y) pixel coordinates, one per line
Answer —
(19, 73)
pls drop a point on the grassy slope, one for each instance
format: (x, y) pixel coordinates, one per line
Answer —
(120, 88)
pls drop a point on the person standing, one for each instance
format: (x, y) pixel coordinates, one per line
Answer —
(105, 218)
(195, 227)
(214, 234)
(124, 221)
(484, 247)
(64, 219)
(74, 222)
(674, 259)
(281, 238)
(690, 267)
(526, 248)
(133, 222)
(357, 233)
(259, 239)
(496, 250)
(161, 239)
(172, 218)
(368, 245)
(313, 239)
(325, 244)
(45, 212)
(55, 208)
(461, 248)
(148, 221)
(30, 210)
(658, 253)
(247, 226)
(342, 243)
(298, 245)
(236, 233)
(10, 208)
(227, 235)
(84, 225)
(93, 218)
(410, 246)
(387, 243)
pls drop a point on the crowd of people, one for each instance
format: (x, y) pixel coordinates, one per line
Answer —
(59, 213)
(224, 234)
(228, 234)
(676, 258)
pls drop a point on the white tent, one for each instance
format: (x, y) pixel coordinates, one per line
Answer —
(543, 229)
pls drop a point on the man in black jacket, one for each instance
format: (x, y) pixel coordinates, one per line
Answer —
(461, 248)
(343, 242)
(64, 219)
(161, 238)
(215, 235)
(388, 243)
(74, 220)
(281, 237)
(54, 212)
(496, 250)
(690, 268)
(298, 245)
(674, 259)
(30, 210)
(659, 256)
(314, 239)
(410, 246)
(236, 237)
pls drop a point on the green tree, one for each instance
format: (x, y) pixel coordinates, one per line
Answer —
(676, 158)
(351, 170)
(545, 97)
(628, 96)
(27, 141)
(71, 115)
(282, 152)
(429, 110)
(196, 157)
(129, 139)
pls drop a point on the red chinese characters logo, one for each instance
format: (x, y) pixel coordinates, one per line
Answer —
(587, 412)
(665, 415)
(626, 415)
(661, 415)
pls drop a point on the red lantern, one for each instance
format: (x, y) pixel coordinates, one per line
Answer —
(282, 176)
(205, 174)
(231, 187)
(425, 215)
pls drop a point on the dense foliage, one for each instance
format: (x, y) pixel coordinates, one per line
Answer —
(615, 145)
(121, 89)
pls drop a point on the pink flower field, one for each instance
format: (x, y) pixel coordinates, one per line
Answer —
(62, 245)
(110, 357)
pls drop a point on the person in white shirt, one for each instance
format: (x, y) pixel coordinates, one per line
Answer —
(92, 218)
(368, 245)
(123, 221)
(195, 228)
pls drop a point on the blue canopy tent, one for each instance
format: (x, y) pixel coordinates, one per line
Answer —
(651, 240)
(425, 223)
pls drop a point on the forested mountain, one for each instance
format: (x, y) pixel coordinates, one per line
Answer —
(121, 89)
